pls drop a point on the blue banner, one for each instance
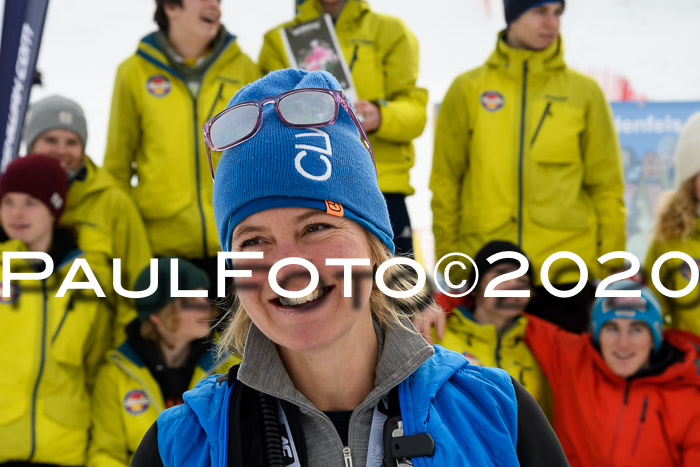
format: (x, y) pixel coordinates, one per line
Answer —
(648, 133)
(23, 24)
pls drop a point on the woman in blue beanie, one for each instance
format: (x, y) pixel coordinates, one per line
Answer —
(328, 379)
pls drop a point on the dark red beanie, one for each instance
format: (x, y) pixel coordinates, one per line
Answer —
(39, 176)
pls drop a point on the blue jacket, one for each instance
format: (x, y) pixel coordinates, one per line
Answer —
(483, 432)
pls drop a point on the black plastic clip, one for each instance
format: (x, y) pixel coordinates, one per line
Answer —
(398, 447)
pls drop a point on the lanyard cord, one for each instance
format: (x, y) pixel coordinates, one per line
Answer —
(273, 441)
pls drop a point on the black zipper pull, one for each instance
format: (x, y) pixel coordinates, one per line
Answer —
(539, 125)
(354, 58)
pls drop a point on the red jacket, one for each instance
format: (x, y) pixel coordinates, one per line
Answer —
(605, 420)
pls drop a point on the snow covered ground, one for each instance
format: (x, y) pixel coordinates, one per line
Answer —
(652, 43)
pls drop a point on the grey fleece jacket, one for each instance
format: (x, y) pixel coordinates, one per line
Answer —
(400, 353)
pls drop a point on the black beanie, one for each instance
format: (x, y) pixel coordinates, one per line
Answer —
(190, 277)
(491, 248)
(514, 8)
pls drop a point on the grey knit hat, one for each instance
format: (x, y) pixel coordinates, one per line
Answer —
(54, 112)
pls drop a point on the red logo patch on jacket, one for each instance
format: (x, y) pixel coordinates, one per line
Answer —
(492, 100)
(136, 402)
(158, 85)
(14, 294)
(685, 268)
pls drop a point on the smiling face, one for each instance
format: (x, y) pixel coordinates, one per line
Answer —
(25, 218)
(500, 309)
(198, 19)
(324, 318)
(625, 345)
(188, 319)
(537, 28)
(63, 145)
(195, 317)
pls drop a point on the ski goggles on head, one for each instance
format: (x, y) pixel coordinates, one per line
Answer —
(299, 108)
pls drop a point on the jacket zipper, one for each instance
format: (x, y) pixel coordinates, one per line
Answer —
(539, 125)
(41, 371)
(520, 160)
(225, 411)
(346, 455)
(196, 136)
(498, 350)
(196, 171)
(346, 449)
(69, 307)
(619, 421)
(216, 99)
(639, 426)
(353, 59)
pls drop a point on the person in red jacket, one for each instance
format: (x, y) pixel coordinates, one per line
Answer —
(626, 394)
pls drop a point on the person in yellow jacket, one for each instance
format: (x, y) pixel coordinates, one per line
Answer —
(678, 229)
(169, 348)
(382, 55)
(104, 216)
(525, 151)
(179, 77)
(50, 346)
(490, 331)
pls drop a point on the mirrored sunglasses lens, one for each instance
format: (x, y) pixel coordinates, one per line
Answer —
(234, 125)
(307, 108)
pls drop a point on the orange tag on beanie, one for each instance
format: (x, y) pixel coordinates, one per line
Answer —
(334, 209)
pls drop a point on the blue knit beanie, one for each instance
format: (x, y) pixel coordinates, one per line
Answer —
(514, 8)
(325, 168)
(645, 308)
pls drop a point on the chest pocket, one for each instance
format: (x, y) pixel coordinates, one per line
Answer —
(366, 68)
(221, 92)
(215, 97)
(67, 339)
(68, 403)
(555, 170)
(556, 137)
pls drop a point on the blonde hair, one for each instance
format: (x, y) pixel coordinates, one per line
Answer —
(677, 216)
(168, 316)
(387, 311)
